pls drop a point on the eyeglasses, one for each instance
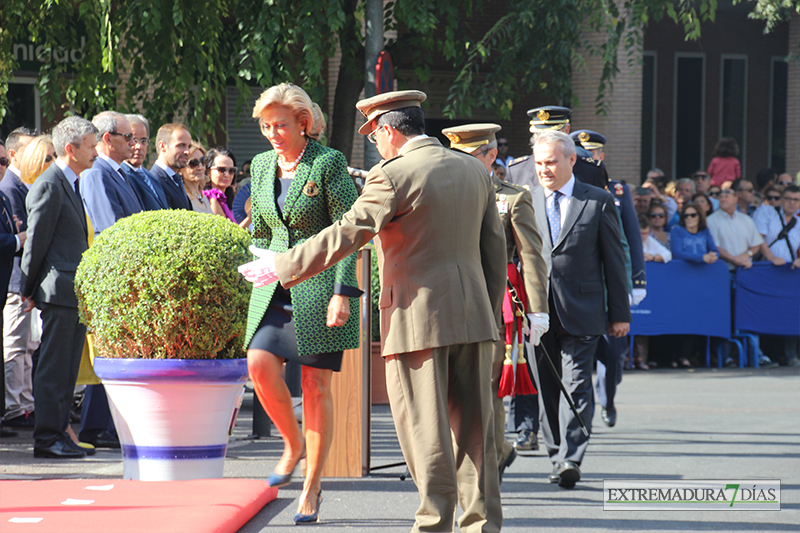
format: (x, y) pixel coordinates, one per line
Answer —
(714, 194)
(502, 144)
(144, 141)
(4, 162)
(785, 183)
(48, 158)
(194, 163)
(773, 198)
(373, 137)
(226, 170)
(690, 215)
(127, 136)
(726, 191)
(657, 215)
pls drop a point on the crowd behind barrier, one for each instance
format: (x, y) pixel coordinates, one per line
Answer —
(765, 302)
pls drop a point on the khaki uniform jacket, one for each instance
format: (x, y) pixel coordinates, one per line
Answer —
(440, 244)
(515, 206)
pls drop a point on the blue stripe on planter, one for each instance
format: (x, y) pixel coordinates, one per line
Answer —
(173, 452)
(186, 370)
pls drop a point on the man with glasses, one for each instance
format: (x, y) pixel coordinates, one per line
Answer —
(745, 196)
(108, 196)
(148, 186)
(780, 227)
(173, 143)
(785, 179)
(702, 183)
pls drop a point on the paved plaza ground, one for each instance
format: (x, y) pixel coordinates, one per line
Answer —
(672, 425)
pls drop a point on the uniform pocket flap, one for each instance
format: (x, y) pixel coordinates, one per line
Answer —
(386, 297)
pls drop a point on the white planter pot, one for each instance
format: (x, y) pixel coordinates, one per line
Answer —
(173, 415)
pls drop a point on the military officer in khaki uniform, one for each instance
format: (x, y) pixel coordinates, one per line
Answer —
(515, 208)
(442, 258)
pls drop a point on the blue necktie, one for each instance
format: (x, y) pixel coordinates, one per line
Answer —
(146, 179)
(554, 216)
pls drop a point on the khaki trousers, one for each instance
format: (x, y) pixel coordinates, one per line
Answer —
(442, 408)
(502, 446)
(17, 353)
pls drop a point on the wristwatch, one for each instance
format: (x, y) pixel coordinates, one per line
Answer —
(749, 253)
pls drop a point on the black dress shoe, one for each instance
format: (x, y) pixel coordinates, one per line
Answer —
(58, 450)
(103, 439)
(7, 433)
(569, 474)
(23, 421)
(609, 416)
(554, 476)
(510, 459)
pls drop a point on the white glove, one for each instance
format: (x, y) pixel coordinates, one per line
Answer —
(262, 271)
(539, 324)
(637, 296)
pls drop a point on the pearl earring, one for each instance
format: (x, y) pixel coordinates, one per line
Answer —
(303, 133)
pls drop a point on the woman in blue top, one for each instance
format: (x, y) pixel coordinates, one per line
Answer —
(690, 239)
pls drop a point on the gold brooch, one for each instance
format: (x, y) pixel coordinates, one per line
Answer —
(454, 138)
(310, 189)
(583, 137)
(543, 115)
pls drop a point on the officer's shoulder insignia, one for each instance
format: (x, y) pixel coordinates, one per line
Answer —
(516, 188)
(526, 187)
(618, 190)
(519, 160)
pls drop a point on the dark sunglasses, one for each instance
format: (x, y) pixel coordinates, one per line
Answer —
(785, 183)
(4, 162)
(48, 158)
(127, 136)
(691, 215)
(714, 194)
(657, 215)
(194, 163)
(226, 170)
(502, 144)
(772, 198)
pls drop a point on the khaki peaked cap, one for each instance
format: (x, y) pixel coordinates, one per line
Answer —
(470, 137)
(379, 104)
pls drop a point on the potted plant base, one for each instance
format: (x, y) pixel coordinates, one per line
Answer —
(173, 417)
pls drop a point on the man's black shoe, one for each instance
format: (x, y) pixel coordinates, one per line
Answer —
(7, 433)
(58, 450)
(569, 474)
(609, 416)
(103, 439)
(23, 421)
(510, 459)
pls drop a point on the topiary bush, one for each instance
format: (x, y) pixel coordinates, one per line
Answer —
(164, 285)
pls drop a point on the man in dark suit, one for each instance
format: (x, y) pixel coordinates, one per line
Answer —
(57, 237)
(108, 196)
(148, 186)
(11, 243)
(173, 142)
(581, 244)
(17, 323)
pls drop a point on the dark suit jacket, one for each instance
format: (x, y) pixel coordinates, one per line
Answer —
(57, 238)
(16, 191)
(107, 196)
(150, 201)
(586, 262)
(8, 246)
(176, 195)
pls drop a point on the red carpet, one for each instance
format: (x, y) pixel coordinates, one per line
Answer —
(121, 506)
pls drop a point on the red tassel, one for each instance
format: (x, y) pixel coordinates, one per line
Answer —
(524, 384)
(506, 386)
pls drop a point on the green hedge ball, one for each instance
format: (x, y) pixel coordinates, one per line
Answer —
(165, 285)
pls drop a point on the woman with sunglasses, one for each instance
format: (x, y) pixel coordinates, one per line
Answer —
(658, 223)
(772, 196)
(194, 178)
(691, 240)
(221, 171)
(37, 158)
(298, 189)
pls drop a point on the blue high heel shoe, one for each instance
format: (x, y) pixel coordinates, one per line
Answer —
(281, 480)
(302, 519)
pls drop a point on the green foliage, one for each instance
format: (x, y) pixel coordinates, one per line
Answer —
(375, 287)
(165, 285)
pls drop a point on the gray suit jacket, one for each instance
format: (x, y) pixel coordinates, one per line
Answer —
(57, 238)
(586, 263)
(441, 249)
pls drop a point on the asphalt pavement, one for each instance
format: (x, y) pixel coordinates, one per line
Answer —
(672, 425)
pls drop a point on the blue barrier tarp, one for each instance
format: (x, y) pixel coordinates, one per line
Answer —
(685, 299)
(767, 299)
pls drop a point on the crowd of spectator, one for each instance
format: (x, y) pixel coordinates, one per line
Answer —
(110, 182)
(719, 214)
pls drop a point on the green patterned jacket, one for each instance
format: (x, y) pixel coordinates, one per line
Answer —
(321, 192)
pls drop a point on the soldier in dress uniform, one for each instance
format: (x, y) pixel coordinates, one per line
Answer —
(515, 208)
(611, 351)
(522, 170)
